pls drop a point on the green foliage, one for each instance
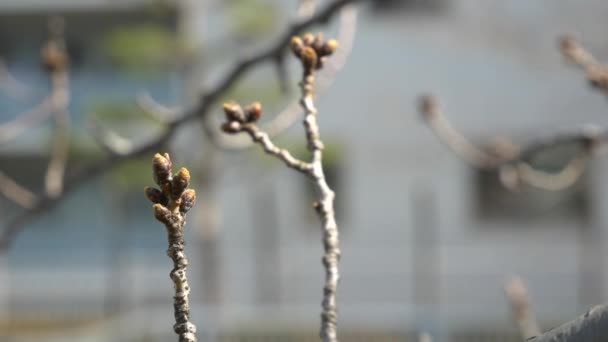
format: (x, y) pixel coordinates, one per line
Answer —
(143, 48)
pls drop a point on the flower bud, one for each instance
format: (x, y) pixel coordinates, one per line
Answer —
(53, 57)
(428, 106)
(328, 48)
(234, 112)
(155, 195)
(231, 127)
(297, 45)
(187, 200)
(161, 213)
(309, 58)
(180, 182)
(308, 39)
(253, 112)
(161, 166)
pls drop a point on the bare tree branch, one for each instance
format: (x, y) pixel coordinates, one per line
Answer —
(53, 180)
(110, 140)
(287, 117)
(198, 111)
(171, 201)
(10, 84)
(512, 160)
(520, 306)
(312, 52)
(574, 52)
(15, 192)
(155, 110)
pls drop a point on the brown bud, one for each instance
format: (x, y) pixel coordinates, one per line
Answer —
(328, 48)
(308, 39)
(53, 57)
(253, 111)
(231, 127)
(161, 213)
(318, 42)
(309, 58)
(297, 45)
(155, 195)
(567, 44)
(161, 167)
(428, 106)
(181, 180)
(187, 200)
(234, 112)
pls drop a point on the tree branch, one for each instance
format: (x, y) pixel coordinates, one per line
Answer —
(198, 111)
(312, 52)
(512, 161)
(520, 307)
(347, 27)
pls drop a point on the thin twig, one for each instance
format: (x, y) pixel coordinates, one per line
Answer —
(312, 52)
(53, 180)
(171, 201)
(15, 192)
(523, 314)
(574, 52)
(512, 160)
(110, 140)
(10, 84)
(155, 110)
(198, 111)
(347, 25)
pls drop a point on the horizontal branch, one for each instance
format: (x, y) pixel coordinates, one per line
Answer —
(513, 161)
(199, 111)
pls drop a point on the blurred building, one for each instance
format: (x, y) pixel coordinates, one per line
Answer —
(427, 242)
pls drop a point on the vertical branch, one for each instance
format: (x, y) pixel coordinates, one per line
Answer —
(61, 139)
(325, 205)
(171, 203)
(55, 60)
(520, 306)
(312, 52)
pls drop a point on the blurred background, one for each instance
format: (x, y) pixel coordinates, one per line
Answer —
(427, 241)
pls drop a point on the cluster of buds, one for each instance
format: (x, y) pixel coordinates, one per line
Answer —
(312, 50)
(53, 57)
(237, 116)
(173, 193)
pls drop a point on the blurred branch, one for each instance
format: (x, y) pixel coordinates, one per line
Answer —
(511, 160)
(10, 84)
(574, 52)
(112, 142)
(198, 111)
(591, 327)
(15, 192)
(287, 117)
(520, 307)
(22, 122)
(155, 110)
(54, 60)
